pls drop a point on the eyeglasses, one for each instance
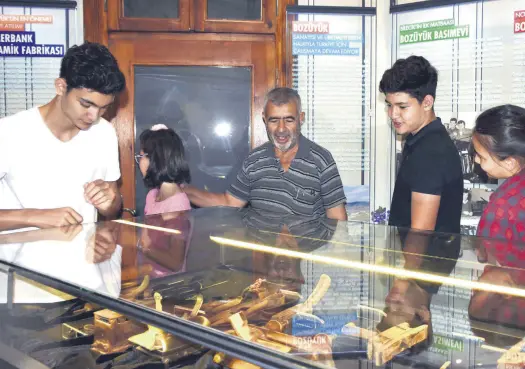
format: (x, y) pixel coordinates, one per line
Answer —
(139, 156)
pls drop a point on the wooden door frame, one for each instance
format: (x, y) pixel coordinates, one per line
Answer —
(131, 49)
(283, 54)
(95, 21)
(96, 30)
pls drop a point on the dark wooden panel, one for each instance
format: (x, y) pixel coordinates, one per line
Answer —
(267, 24)
(118, 22)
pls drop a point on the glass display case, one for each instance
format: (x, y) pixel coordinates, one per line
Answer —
(236, 288)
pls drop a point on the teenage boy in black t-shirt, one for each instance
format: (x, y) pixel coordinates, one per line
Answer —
(428, 192)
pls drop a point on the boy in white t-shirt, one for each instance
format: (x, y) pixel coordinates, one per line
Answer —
(59, 162)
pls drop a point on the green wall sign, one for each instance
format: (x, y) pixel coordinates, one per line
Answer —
(444, 29)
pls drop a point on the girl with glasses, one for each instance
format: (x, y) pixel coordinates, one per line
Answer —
(164, 167)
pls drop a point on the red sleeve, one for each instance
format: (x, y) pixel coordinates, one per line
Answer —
(502, 224)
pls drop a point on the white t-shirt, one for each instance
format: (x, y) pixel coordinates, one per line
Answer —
(67, 261)
(41, 172)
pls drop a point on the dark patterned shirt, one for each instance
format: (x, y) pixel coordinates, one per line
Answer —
(310, 186)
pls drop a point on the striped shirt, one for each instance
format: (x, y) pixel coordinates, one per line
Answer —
(310, 185)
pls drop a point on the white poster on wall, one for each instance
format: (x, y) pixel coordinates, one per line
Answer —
(331, 71)
(32, 42)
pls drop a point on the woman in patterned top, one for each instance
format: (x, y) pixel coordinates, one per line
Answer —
(499, 144)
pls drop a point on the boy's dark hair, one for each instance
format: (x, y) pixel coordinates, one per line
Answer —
(92, 66)
(167, 162)
(501, 130)
(413, 75)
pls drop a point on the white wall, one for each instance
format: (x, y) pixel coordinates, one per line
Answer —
(384, 143)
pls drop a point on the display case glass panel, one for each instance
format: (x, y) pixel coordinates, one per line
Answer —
(228, 286)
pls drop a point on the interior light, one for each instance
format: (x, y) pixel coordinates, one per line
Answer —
(147, 226)
(223, 129)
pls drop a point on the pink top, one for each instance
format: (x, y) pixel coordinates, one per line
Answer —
(177, 202)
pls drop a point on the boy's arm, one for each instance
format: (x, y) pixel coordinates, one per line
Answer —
(41, 218)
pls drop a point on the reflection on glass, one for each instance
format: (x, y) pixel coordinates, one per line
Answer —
(165, 253)
(245, 10)
(332, 293)
(208, 107)
(151, 9)
(87, 255)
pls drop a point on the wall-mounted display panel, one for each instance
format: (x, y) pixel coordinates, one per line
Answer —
(330, 61)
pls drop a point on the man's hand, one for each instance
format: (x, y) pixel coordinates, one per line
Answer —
(103, 195)
(51, 218)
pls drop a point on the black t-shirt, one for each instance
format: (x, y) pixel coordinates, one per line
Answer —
(431, 165)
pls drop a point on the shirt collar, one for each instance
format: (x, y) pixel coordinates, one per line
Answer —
(434, 126)
(302, 152)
